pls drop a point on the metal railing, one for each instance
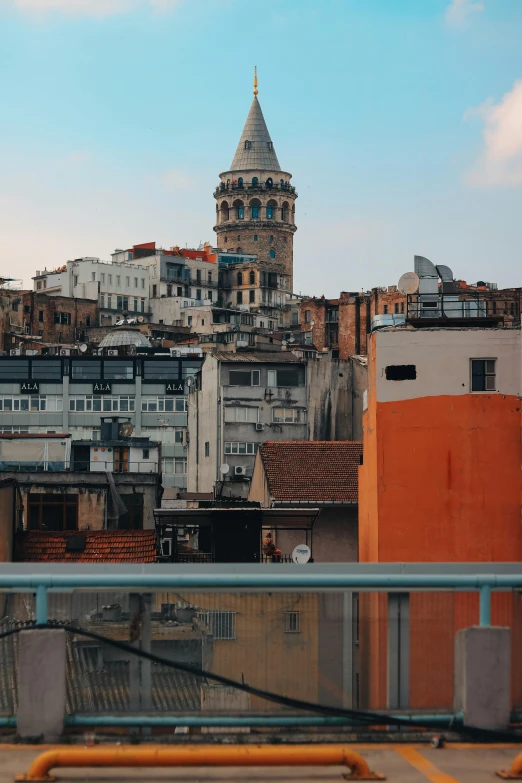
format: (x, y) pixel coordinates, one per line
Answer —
(487, 304)
(81, 466)
(259, 186)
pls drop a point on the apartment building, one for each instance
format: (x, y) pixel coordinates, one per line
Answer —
(257, 286)
(240, 400)
(78, 395)
(118, 287)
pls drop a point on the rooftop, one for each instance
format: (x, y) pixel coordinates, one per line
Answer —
(101, 546)
(263, 357)
(255, 150)
(312, 471)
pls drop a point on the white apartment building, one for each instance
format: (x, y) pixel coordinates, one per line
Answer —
(119, 287)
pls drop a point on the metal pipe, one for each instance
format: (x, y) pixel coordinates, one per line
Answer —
(485, 605)
(201, 756)
(260, 581)
(247, 721)
(41, 605)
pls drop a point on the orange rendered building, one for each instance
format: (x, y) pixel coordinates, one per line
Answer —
(441, 481)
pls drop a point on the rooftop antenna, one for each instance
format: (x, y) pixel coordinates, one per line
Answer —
(255, 80)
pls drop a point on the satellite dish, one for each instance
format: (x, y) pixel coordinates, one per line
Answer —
(301, 553)
(126, 429)
(409, 283)
(141, 319)
(292, 340)
(82, 348)
(284, 342)
(223, 469)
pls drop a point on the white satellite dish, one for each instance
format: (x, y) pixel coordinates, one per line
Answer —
(223, 469)
(292, 340)
(141, 319)
(82, 348)
(409, 283)
(284, 342)
(302, 553)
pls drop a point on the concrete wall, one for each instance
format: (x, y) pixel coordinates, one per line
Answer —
(330, 390)
(204, 422)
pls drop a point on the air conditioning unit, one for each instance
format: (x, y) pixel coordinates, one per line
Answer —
(112, 352)
(260, 427)
(65, 352)
(240, 470)
(15, 352)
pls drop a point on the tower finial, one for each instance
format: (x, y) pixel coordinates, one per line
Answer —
(255, 80)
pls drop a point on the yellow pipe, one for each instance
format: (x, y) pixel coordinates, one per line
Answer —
(201, 756)
(514, 772)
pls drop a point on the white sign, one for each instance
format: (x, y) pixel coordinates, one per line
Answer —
(301, 553)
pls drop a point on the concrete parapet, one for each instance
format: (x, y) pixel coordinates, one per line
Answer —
(41, 684)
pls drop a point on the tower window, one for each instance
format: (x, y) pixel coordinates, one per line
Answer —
(255, 237)
(269, 212)
(255, 182)
(255, 212)
(248, 145)
(238, 238)
(240, 182)
(272, 253)
(226, 239)
(271, 237)
(240, 213)
(270, 145)
(269, 182)
(239, 250)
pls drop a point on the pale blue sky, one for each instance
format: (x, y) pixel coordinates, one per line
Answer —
(400, 120)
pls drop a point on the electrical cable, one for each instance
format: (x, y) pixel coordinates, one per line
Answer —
(365, 717)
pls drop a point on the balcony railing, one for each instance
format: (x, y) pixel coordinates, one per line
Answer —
(78, 466)
(463, 305)
(251, 187)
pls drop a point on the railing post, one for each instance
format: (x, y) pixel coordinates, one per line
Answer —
(485, 605)
(41, 605)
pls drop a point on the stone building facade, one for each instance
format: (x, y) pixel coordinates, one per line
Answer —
(255, 201)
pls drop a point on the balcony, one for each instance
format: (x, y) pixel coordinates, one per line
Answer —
(259, 187)
(487, 308)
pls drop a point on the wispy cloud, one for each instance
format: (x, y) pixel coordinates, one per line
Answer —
(459, 10)
(177, 180)
(93, 8)
(500, 163)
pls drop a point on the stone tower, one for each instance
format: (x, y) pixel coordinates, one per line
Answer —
(255, 202)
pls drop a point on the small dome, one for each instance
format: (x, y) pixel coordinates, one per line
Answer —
(125, 336)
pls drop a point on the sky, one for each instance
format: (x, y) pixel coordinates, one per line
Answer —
(400, 120)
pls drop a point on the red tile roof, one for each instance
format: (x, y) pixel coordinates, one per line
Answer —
(101, 546)
(313, 471)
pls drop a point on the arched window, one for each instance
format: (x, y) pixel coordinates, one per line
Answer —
(238, 238)
(240, 278)
(239, 250)
(255, 237)
(240, 182)
(255, 212)
(272, 252)
(226, 239)
(281, 183)
(224, 211)
(271, 237)
(269, 212)
(255, 182)
(239, 297)
(269, 182)
(252, 277)
(248, 145)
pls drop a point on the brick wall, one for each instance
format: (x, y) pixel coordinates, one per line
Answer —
(41, 313)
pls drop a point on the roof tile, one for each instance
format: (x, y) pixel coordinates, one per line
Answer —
(312, 471)
(106, 546)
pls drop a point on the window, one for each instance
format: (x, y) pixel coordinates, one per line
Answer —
(109, 279)
(308, 316)
(198, 293)
(255, 212)
(240, 213)
(146, 454)
(255, 182)
(143, 305)
(248, 145)
(143, 282)
(288, 377)
(239, 297)
(198, 276)
(396, 307)
(270, 145)
(241, 448)
(251, 296)
(87, 320)
(52, 511)
(221, 624)
(169, 290)
(210, 277)
(118, 370)
(288, 416)
(402, 307)
(269, 212)
(75, 281)
(168, 404)
(62, 318)
(483, 374)
(46, 369)
(189, 319)
(133, 518)
(271, 237)
(102, 277)
(109, 302)
(255, 237)
(25, 403)
(154, 290)
(102, 300)
(81, 403)
(207, 449)
(243, 377)
(401, 372)
(272, 253)
(135, 282)
(175, 466)
(292, 622)
(240, 278)
(40, 316)
(118, 280)
(39, 284)
(89, 370)
(385, 309)
(93, 275)
(162, 370)
(241, 414)
(127, 282)
(179, 291)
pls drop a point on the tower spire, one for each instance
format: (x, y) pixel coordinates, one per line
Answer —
(255, 80)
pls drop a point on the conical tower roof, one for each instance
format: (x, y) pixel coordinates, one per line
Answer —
(259, 152)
